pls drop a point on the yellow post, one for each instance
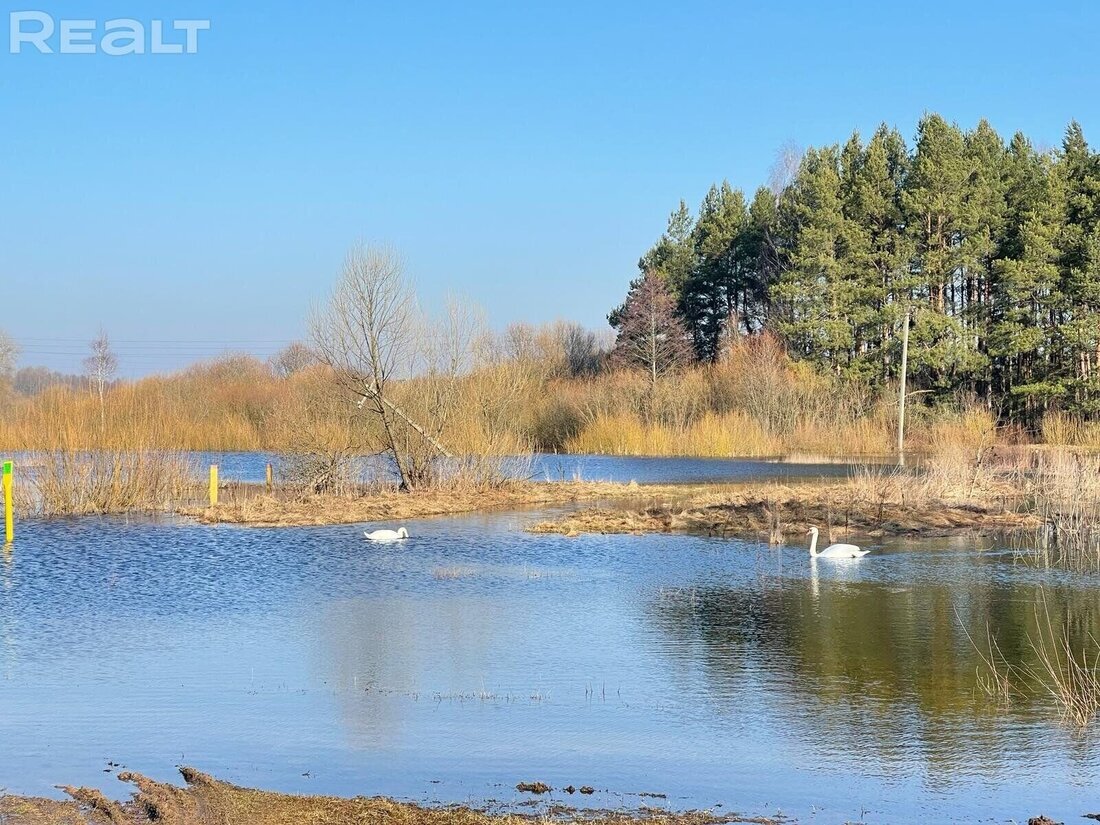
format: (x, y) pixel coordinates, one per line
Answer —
(9, 520)
(213, 485)
(269, 478)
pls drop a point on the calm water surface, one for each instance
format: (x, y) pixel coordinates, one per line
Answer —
(252, 468)
(474, 656)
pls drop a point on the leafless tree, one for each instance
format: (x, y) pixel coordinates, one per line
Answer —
(9, 354)
(292, 359)
(580, 349)
(100, 367)
(784, 169)
(651, 336)
(370, 335)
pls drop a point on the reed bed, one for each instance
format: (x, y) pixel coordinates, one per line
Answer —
(1062, 489)
(756, 402)
(1061, 430)
(74, 483)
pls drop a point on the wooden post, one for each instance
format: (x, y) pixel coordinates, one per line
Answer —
(213, 485)
(9, 520)
(902, 391)
(269, 478)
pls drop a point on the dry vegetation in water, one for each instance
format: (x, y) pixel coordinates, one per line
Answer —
(388, 503)
(206, 801)
(950, 494)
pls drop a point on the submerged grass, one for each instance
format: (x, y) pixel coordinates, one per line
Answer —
(1063, 666)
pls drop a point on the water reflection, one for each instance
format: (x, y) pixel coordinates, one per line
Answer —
(476, 655)
(873, 661)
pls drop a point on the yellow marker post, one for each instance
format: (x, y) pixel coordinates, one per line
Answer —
(9, 519)
(213, 485)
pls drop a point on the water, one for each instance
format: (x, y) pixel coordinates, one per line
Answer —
(474, 656)
(252, 468)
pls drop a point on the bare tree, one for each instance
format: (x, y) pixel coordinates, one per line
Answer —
(651, 335)
(784, 169)
(100, 367)
(369, 336)
(292, 359)
(9, 354)
(580, 348)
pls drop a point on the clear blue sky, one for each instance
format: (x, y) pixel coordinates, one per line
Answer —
(522, 155)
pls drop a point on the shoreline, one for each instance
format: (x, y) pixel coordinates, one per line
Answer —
(770, 511)
(266, 510)
(204, 800)
(779, 513)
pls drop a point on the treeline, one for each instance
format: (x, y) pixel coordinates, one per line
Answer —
(992, 248)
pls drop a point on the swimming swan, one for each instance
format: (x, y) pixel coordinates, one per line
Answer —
(834, 551)
(388, 535)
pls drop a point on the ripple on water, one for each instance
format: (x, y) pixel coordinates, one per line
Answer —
(476, 655)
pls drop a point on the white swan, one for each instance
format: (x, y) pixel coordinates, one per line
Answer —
(834, 551)
(388, 535)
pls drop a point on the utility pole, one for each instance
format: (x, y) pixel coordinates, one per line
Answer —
(901, 391)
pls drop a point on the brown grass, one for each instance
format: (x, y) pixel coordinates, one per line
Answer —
(755, 402)
(954, 491)
(206, 801)
(387, 503)
(782, 514)
(68, 482)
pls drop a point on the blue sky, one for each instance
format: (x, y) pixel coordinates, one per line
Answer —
(522, 155)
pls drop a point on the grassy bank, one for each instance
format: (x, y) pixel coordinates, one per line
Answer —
(953, 492)
(255, 507)
(782, 515)
(206, 801)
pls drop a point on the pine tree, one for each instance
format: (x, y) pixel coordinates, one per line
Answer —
(1079, 322)
(1025, 293)
(713, 295)
(982, 226)
(762, 256)
(874, 203)
(942, 353)
(812, 295)
(673, 256)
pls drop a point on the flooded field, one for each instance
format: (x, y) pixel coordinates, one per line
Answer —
(251, 468)
(474, 656)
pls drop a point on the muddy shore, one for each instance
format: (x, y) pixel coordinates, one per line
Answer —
(207, 801)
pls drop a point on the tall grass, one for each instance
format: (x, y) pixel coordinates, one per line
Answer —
(1061, 430)
(756, 402)
(70, 482)
(712, 434)
(1062, 663)
(1068, 672)
(1063, 488)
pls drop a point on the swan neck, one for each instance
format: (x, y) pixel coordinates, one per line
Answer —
(813, 544)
